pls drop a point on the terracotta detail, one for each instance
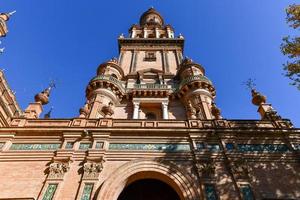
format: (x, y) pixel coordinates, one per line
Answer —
(91, 170)
(57, 170)
(206, 168)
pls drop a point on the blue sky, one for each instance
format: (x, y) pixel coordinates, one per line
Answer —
(66, 40)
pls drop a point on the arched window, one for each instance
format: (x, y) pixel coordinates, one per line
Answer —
(150, 116)
(115, 76)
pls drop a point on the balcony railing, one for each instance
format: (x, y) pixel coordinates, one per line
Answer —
(194, 78)
(152, 86)
(110, 79)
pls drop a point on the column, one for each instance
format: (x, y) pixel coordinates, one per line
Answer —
(136, 107)
(165, 111)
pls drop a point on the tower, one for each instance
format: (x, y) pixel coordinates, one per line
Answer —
(150, 79)
(149, 130)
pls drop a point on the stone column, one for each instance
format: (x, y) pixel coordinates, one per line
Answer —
(136, 107)
(165, 111)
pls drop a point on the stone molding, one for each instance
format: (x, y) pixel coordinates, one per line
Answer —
(107, 122)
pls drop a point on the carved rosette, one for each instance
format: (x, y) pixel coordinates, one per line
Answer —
(206, 169)
(91, 170)
(239, 168)
(57, 170)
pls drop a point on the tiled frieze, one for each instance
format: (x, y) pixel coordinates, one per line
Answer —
(150, 147)
(34, 146)
(85, 146)
(262, 147)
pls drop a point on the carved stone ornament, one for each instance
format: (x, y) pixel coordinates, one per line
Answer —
(57, 170)
(91, 170)
(191, 111)
(239, 168)
(206, 168)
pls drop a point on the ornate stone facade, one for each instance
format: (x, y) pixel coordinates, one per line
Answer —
(149, 114)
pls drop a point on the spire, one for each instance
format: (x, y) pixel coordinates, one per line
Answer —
(48, 114)
(11, 13)
(34, 110)
(266, 111)
(4, 17)
(43, 97)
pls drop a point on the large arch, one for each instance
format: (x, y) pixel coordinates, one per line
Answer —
(185, 186)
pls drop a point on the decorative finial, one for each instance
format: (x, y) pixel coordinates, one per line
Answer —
(257, 98)
(52, 85)
(122, 35)
(180, 36)
(48, 114)
(11, 13)
(114, 59)
(5, 16)
(43, 97)
(250, 84)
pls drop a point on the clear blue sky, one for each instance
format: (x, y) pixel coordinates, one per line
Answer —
(66, 40)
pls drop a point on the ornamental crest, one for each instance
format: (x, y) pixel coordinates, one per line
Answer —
(57, 170)
(91, 170)
(240, 168)
(206, 168)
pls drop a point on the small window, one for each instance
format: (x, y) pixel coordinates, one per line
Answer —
(200, 146)
(69, 145)
(210, 192)
(115, 76)
(150, 56)
(213, 147)
(247, 192)
(87, 191)
(50, 192)
(85, 146)
(99, 145)
(150, 116)
(229, 146)
(1, 145)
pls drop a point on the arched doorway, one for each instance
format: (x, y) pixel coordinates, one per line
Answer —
(177, 179)
(148, 189)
